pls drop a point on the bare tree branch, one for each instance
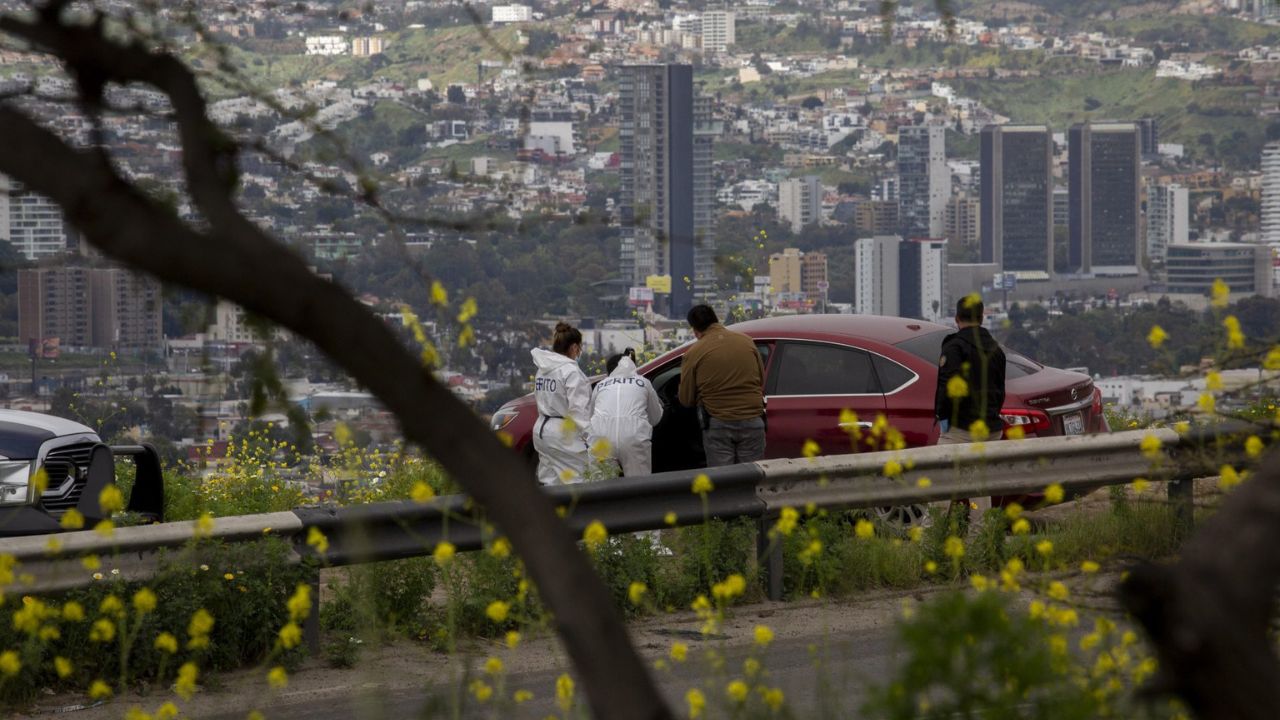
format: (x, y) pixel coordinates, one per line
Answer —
(1208, 614)
(236, 260)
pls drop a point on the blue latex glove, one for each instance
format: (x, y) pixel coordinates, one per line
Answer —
(944, 425)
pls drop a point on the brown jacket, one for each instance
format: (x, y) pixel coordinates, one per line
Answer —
(722, 372)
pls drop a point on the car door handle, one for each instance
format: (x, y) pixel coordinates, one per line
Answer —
(860, 424)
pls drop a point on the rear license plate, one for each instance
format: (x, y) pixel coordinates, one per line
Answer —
(1073, 424)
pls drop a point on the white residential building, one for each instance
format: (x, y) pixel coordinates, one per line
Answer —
(876, 275)
(1168, 212)
(511, 14)
(719, 30)
(1271, 193)
(32, 223)
(800, 202)
(902, 278)
(326, 45)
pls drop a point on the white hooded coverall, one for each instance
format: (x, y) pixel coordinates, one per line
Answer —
(564, 415)
(624, 409)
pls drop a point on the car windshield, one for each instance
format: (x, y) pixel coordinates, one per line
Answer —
(929, 347)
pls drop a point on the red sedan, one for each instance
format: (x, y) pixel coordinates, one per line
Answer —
(816, 366)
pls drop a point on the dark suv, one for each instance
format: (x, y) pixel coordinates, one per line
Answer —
(77, 466)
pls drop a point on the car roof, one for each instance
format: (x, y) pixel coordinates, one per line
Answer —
(888, 330)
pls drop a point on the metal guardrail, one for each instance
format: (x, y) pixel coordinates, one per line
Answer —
(401, 529)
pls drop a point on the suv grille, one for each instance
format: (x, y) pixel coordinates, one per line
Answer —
(60, 463)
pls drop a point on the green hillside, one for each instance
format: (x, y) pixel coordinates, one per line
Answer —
(444, 55)
(1187, 113)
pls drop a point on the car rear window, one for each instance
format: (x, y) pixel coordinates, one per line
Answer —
(929, 348)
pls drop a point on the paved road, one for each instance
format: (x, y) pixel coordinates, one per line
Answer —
(823, 656)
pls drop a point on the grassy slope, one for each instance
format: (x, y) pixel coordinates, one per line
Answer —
(1060, 101)
(445, 55)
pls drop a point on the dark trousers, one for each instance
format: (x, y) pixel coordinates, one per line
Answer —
(728, 442)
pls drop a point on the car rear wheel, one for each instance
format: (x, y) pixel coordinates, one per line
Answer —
(905, 516)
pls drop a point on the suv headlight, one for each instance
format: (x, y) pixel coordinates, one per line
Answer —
(15, 482)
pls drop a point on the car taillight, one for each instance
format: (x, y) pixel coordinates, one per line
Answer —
(1029, 420)
(1097, 402)
(503, 418)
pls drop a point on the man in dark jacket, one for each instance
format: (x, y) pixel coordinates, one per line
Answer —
(970, 379)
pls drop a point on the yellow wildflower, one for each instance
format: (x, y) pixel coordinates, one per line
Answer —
(1150, 446)
(1213, 381)
(810, 449)
(670, 518)
(166, 642)
(595, 535)
(957, 388)
(679, 651)
(774, 698)
(72, 611)
(103, 631)
(1235, 337)
(763, 635)
(697, 703)
(1054, 494)
(443, 554)
(636, 591)
(185, 685)
(10, 663)
(493, 666)
(439, 296)
(299, 604)
(277, 678)
(72, 519)
(564, 692)
(1207, 404)
(1157, 336)
(522, 696)
(1090, 566)
(953, 547)
(1058, 591)
(497, 611)
(787, 521)
(500, 548)
(144, 601)
(421, 492)
(1228, 477)
(892, 468)
(99, 690)
(481, 690)
(1044, 547)
(513, 639)
(111, 500)
(1221, 293)
(1253, 446)
(737, 691)
(62, 666)
(317, 540)
(290, 636)
(864, 529)
(702, 484)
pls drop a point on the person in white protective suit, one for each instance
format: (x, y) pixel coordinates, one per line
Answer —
(624, 409)
(564, 409)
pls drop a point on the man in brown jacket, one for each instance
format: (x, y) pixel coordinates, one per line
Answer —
(723, 376)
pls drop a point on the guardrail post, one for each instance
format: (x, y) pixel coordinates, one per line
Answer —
(311, 626)
(1182, 497)
(769, 554)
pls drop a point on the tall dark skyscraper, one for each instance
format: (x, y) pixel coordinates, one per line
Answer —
(924, 181)
(1105, 164)
(1016, 228)
(666, 200)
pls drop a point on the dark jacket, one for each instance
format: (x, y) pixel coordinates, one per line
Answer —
(974, 355)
